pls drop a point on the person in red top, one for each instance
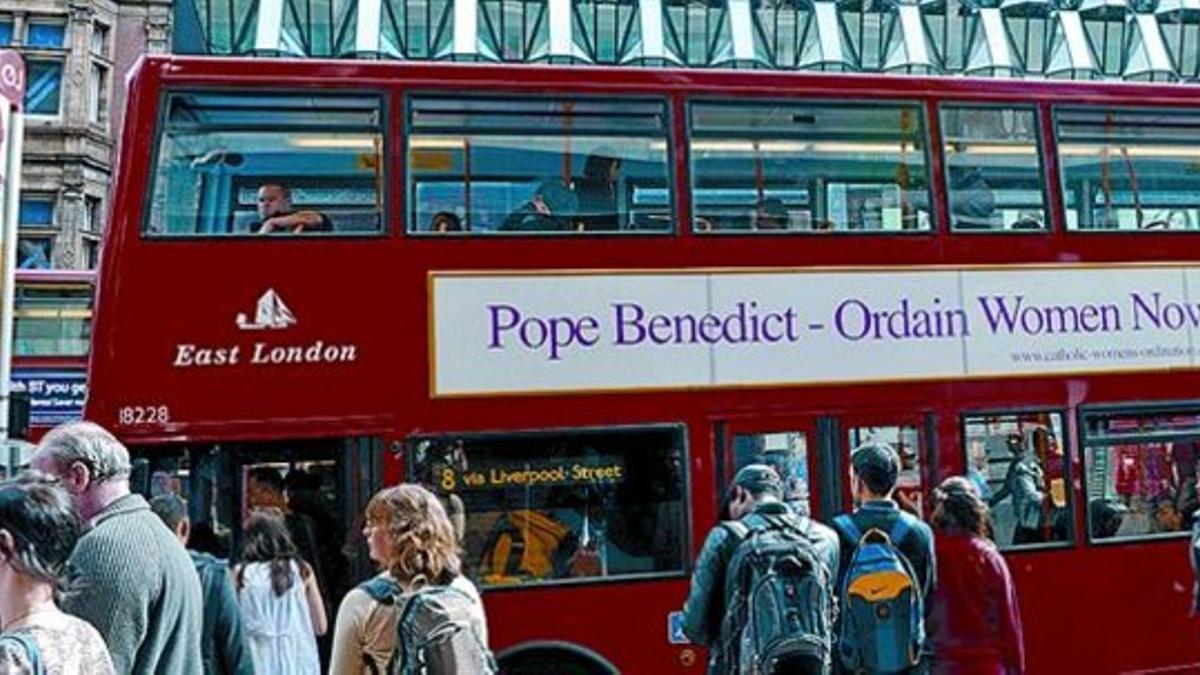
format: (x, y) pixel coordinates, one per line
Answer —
(974, 621)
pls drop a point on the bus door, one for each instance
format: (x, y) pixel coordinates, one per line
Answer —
(319, 486)
(786, 443)
(911, 434)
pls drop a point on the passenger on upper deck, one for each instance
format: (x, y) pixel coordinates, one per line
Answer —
(972, 205)
(548, 210)
(445, 221)
(278, 215)
(771, 214)
(597, 192)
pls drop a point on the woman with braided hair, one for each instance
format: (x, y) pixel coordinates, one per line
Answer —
(38, 530)
(974, 621)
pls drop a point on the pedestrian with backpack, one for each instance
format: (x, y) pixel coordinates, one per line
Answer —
(974, 621)
(762, 596)
(420, 614)
(887, 571)
(38, 530)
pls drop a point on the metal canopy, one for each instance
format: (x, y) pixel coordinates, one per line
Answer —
(907, 44)
(1153, 40)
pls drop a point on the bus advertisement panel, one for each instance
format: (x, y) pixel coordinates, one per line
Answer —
(569, 331)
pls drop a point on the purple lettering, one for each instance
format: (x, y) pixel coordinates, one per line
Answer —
(629, 317)
(496, 311)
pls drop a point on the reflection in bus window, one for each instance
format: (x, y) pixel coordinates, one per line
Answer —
(809, 167)
(787, 453)
(1141, 472)
(1129, 169)
(233, 164)
(540, 507)
(1017, 462)
(993, 168)
(907, 443)
(526, 165)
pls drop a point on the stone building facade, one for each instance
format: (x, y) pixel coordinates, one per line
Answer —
(76, 53)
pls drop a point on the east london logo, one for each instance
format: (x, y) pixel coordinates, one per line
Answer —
(271, 313)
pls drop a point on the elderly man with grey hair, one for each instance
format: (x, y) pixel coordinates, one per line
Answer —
(135, 582)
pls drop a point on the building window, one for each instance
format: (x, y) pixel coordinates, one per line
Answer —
(6, 30)
(34, 253)
(37, 212)
(44, 93)
(98, 94)
(49, 34)
(91, 251)
(100, 40)
(92, 213)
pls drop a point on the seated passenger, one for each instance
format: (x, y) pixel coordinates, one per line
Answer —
(972, 205)
(771, 214)
(1105, 517)
(597, 192)
(444, 221)
(277, 214)
(548, 210)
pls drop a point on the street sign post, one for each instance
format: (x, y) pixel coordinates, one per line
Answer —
(12, 132)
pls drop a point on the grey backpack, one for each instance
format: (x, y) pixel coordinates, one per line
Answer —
(438, 637)
(434, 632)
(779, 600)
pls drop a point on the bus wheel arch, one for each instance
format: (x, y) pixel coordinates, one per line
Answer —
(553, 656)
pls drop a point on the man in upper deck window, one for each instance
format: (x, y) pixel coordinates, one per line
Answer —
(278, 215)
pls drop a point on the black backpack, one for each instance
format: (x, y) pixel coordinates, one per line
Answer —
(780, 602)
(434, 633)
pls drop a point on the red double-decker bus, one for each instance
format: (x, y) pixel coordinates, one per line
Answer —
(574, 301)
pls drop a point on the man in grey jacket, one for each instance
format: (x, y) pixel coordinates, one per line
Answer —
(757, 503)
(134, 581)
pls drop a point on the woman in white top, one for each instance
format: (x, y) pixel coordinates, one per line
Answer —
(281, 605)
(38, 530)
(409, 534)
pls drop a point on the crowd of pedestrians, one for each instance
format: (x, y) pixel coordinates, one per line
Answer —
(95, 580)
(880, 592)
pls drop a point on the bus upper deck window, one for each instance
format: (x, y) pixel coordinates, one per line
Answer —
(1129, 169)
(994, 169)
(232, 164)
(501, 166)
(809, 167)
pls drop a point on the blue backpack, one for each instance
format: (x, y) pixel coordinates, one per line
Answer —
(26, 644)
(882, 609)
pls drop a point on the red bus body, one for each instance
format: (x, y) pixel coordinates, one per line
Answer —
(1086, 607)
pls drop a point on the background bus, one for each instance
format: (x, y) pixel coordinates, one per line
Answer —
(52, 335)
(577, 353)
